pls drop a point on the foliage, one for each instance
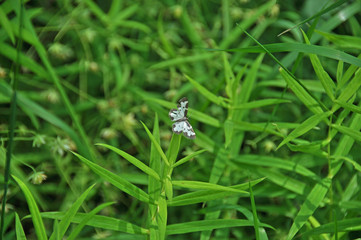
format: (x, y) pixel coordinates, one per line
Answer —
(87, 150)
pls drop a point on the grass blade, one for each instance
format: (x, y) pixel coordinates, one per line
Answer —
(34, 210)
(156, 145)
(197, 226)
(66, 220)
(115, 180)
(20, 234)
(306, 126)
(313, 200)
(86, 219)
(103, 222)
(139, 164)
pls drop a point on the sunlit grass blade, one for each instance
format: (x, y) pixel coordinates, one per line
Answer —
(300, 48)
(208, 195)
(347, 75)
(322, 75)
(346, 225)
(5, 23)
(20, 234)
(349, 106)
(98, 221)
(156, 145)
(343, 41)
(353, 162)
(351, 88)
(69, 214)
(260, 103)
(139, 164)
(205, 186)
(75, 232)
(312, 202)
(353, 133)
(275, 162)
(305, 126)
(115, 180)
(301, 93)
(187, 158)
(203, 225)
(208, 94)
(34, 210)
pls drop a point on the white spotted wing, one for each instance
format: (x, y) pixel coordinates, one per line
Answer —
(179, 116)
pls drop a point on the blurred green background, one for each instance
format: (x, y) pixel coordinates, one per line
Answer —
(90, 71)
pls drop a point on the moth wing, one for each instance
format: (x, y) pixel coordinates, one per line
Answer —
(178, 127)
(181, 111)
(174, 115)
(183, 106)
(184, 127)
(188, 131)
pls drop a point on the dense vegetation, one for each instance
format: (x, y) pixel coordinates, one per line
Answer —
(87, 149)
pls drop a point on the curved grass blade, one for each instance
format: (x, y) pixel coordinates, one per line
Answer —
(34, 210)
(139, 164)
(356, 135)
(203, 225)
(187, 158)
(313, 200)
(322, 75)
(299, 48)
(102, 222)
(306, 126)
(115, 180)
(66, 220)
(156, 144)
(205, 186)
(89, 216)
(20, 234)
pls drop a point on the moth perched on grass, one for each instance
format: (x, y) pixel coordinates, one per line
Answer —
(179, 116)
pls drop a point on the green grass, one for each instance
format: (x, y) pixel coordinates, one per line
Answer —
(87, 150)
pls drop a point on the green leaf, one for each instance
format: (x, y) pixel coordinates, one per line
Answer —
(86, 219)
(274, 162)
(260, 103)
(139, 164)
(34, 210)
(306, 126)
(103, 222)
(356, 135)
(351, 88)
(156, 144)
(4, 21)
(300, 48)
(115, 180)
(346, 225)
(197, 226)
(187, 158)
(208, 195)
(301, 93)
(66, 220)
(349, 106)
(20, 234)
(208, 94)
(205, 186)
(322, 75)
(312, 202)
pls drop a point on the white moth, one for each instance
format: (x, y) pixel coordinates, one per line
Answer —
(179, 116)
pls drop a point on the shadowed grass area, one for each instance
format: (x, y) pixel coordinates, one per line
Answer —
(273, 91)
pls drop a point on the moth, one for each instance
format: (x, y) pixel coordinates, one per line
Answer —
(179, 117)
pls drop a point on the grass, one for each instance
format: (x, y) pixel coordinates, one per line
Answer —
(87, 150)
